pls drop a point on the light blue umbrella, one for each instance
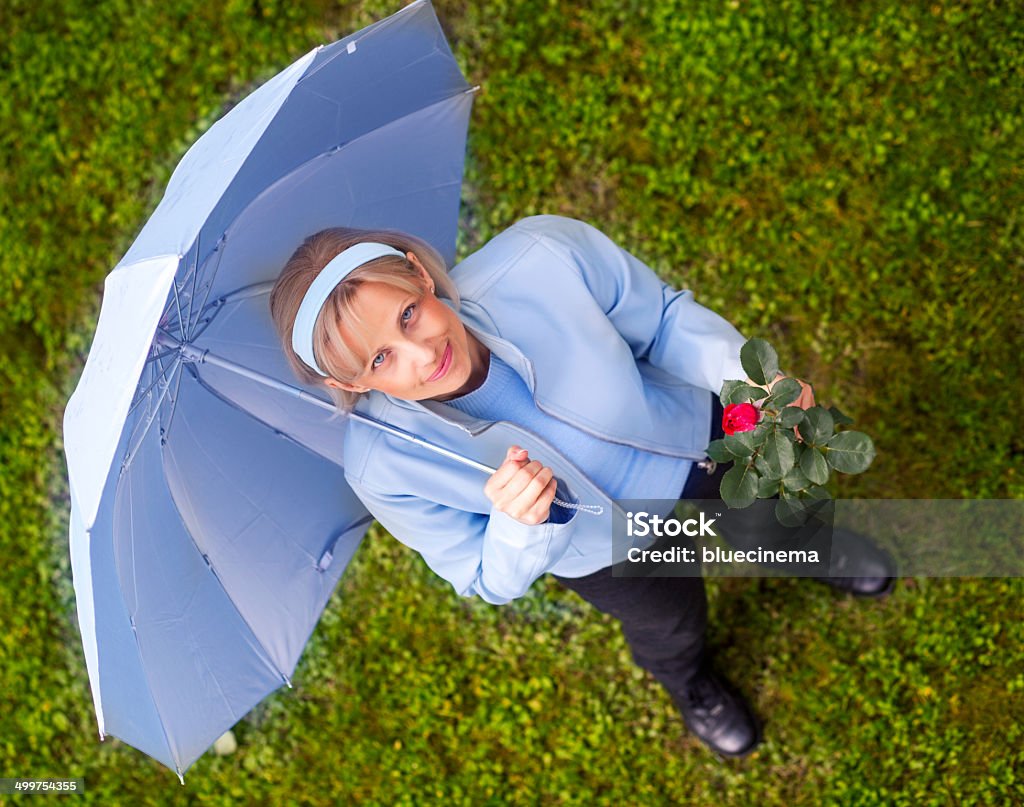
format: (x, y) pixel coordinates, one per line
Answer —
(210, 517)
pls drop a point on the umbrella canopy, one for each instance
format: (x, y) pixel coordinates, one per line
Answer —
(210, 517)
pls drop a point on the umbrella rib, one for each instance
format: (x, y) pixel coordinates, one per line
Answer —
(253, 290)
(150, 417)
(242, 293)
(172, 322)
(187, 325)
(157, 356)
(142, 399)
(177, 302)
(156, 379)
(131, 532)
(218, 250)
(174, 400)
(132, 440)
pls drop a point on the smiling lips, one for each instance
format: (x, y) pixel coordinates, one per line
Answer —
(446, 362)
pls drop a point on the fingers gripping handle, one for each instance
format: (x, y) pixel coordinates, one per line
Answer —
(518, 454)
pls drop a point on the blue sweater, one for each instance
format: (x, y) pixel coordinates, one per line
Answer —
(620, 471)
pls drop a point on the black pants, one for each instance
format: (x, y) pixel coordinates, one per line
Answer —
(663, 618)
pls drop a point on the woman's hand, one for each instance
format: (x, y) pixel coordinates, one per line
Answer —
(806, 399)
(522, 488)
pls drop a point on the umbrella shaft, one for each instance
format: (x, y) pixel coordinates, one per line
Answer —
(412, 438)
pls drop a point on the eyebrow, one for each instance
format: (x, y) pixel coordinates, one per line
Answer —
(398, 321)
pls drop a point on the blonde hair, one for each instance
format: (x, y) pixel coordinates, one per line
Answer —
(333, 355)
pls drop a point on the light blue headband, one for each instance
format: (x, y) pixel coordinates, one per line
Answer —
(337, 270)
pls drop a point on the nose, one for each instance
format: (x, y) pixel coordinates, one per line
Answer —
(422, 353)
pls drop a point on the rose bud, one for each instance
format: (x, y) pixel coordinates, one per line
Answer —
(740, 418)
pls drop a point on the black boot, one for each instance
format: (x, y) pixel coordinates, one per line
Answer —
(864, 569)
(718, 715)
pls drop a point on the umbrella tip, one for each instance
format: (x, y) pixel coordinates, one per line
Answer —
(180, 777)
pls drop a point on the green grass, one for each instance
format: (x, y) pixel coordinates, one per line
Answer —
(843, 179)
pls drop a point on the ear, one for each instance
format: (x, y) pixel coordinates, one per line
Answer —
(330, 382)
(424, 274)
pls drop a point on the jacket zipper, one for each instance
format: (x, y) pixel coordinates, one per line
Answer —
(517, 428)
(533, 386)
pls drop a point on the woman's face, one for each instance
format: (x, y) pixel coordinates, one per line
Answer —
(419, 348)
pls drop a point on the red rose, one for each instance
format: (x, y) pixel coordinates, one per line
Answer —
(739, 418)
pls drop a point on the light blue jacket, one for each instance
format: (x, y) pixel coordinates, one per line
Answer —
(603, 344)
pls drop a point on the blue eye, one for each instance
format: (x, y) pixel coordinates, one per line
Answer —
(378, 360)
(407, 314)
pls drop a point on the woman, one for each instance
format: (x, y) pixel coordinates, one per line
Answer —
(563, 361)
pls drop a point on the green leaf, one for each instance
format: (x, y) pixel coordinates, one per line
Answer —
(740, 445)
(760, 361)
(718, 452)
(734, 392)
(839, 418)
(791, 511)
(813, 464)
(761, 432)
(818, 492)
(779, 453)
(817, 426)
(728, 386)
(850, 452)
(785, 391)
(762, 468)
(766, 487)
(739, 486)
(795, 480)
(791, 416)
